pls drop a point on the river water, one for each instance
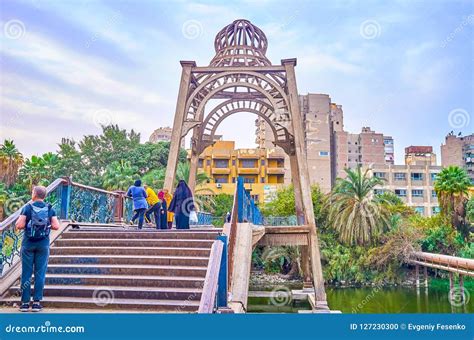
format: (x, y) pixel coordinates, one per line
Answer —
(376, 300)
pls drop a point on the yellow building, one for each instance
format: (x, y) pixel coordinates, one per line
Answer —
(263, 170)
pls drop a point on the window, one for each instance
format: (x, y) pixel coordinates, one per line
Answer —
(417, 193)
(435, 210)
(248, 163)
(324, 153)
(416, 176)
(262, 162)
(378, 191)
(220, 179)
(221, 163)
(233, 162)
(433, 194)
(233, 179)
(200, 163)
(208, 162)
(401, 192)
(433, 177)
(399, 176)
(379, 174)
(420, 210)
(249, 179)
(262, 180)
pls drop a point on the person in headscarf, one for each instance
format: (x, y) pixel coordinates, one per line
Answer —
(162, 222)
(182, 204)
(139, 196)
(168, 198)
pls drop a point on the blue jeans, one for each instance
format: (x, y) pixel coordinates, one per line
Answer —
(140, 214)
(34, 259)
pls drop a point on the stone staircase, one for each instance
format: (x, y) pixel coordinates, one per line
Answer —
(123, 268)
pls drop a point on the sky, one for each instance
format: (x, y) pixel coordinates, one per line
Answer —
(404, 68)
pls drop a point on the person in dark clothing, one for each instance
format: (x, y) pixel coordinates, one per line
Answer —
(37, 219)
(163, 212)
(138, 195)
(182, 205)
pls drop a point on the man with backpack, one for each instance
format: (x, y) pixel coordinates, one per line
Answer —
(37, 218)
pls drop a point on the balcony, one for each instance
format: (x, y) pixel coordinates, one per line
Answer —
(220, 171)
(276, 171)
(248, 171)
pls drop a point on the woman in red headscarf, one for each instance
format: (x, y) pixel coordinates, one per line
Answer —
(163, 215)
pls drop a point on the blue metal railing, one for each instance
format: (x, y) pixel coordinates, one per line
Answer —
(247, 209)
(72, 201)
(204, 218)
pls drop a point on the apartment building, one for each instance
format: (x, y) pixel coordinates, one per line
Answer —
(459, 150)
(412, 182)
(163, 134)
(263, 170)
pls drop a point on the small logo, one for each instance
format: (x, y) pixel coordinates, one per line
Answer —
(14, 29)
(102, 117)
(458, 297)
(11, 205)
(192, 29)
(103, 296)
(459, 118)
(370, 29)
(280, 296)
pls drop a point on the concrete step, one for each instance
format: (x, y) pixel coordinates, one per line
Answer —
(160, 234)
(125, 259)
(117, 292)
(179, 243)
(174, 306)
(110, 269)
(138, 251)
(125, 280)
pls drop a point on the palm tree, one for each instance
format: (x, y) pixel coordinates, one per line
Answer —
(119, 175)
(183, 171)
(34, 172)
(354, 212)
(451, 186)
(155, 178)
(10, 161)
(3, 199)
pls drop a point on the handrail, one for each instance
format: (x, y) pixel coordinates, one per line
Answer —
(443, 260)
(50, 188)
(209, 291)
(232, 236)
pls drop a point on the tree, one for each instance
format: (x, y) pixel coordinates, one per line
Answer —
(354, 212)
(451, 186)
(119, 175)
(183, 171)
(33, 172)
(155, 178)
(10, 161)
(470, 210)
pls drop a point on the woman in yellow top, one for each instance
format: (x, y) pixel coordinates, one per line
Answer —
(154, 206)
(168, 198)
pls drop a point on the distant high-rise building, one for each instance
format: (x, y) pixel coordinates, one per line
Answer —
(330, 149)
(163, 134)
(459, 150)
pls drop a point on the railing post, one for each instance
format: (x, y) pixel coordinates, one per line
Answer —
(222, 280)
(119, 204)
(65, 198)
(240, 199)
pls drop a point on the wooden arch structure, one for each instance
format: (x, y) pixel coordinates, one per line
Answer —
(244, 80)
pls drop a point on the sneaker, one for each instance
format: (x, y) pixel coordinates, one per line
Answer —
(36, 307)
(25, 307)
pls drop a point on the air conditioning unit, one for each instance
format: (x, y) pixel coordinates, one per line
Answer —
(218, 185)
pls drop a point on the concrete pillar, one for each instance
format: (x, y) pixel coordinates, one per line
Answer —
(303, 176)
(193, 165)
(179, 117)
(297, 188)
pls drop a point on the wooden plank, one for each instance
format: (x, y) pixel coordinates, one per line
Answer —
(448, 269)
(209, 291)
(284, 240)
(304, 229)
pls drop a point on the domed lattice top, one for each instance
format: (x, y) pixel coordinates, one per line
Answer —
(240, 44)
